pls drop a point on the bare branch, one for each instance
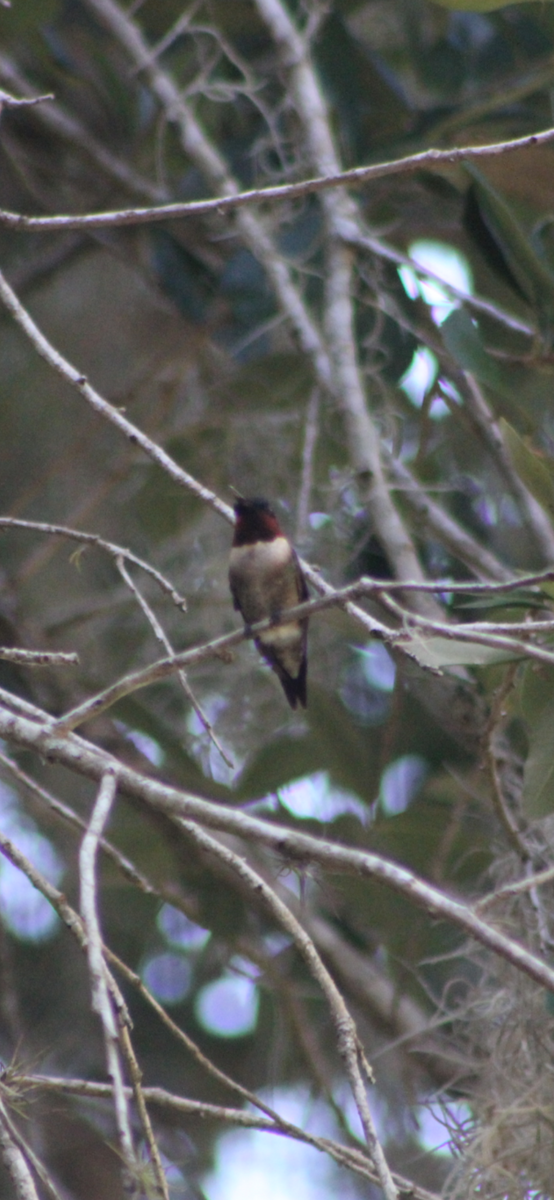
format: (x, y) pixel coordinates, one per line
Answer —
(9, 101)
(352, 1158)
(101, 406)
(101, 1001)
(348, 1043)
(358, 176)
(357, 237)
(184, 1040)
(363, 979)
(207, 158)
(14, 1160)
(520, 886)
(56, 898)
(38, 658)
(346, 1156)
(292, 846)
(338, 338)
(451, 534)
(93, 539)
(61, 810)
(76, 926)
(366, 982)
(164, 641)
(20, 1143)
(69, 129)
(489, 429)
(163, 1099)
(362, 435)
(135, 436)
(497, 636)
(217, 648)
(308, 451)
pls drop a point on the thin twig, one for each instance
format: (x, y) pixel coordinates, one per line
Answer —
(101, 1001)
(135, 1075)
(9, 101)
(38, 658)
(217, 648)
(485, 421)
(345, 1155)
(14, 1161)
(348, 1042)
(76, 926)
(293, 847)
(511, 828)
(361, 431)
(56, 120)
(135, 436)
(167, 894)
(496, 636)
(164, 641)
(520, 886)
(56, 898)
(306, 478)
(355, 236)
(407, 638)
(279, 1123)
(207, 158)
(101, 406)
(25, 1149)
(92, 539)
(67, 127)
(493, 586)
(364, 979)
(304, 1033)
(61, 810)
(357, 177)
(457, 540)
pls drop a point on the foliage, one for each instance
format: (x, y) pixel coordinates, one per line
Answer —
(292, 347)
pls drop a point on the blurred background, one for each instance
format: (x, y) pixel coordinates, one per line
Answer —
(179, 325)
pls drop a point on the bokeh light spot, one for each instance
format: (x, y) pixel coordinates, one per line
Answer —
(228, 1007)
(168, 977)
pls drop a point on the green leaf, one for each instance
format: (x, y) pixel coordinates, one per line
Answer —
(530, 272)
(534, 469)
(508, 600)
(462, 339)
(482, 231)
(279, 762)
(538, 775)
(333, 743)
(365, 92)
(537, 709)
(476, 5)
(352, 752)
(188, 282)
(447, 652)
(537, 690)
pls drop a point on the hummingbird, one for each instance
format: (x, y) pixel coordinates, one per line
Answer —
(265, 578)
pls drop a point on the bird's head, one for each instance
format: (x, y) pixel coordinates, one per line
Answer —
(255, 521)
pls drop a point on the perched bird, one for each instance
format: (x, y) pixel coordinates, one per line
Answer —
(265, 579)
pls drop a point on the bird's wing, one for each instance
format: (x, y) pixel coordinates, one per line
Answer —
(303, 593)
(234, 594)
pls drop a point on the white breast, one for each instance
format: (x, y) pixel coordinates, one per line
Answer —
(262, 576)
(261, 556)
